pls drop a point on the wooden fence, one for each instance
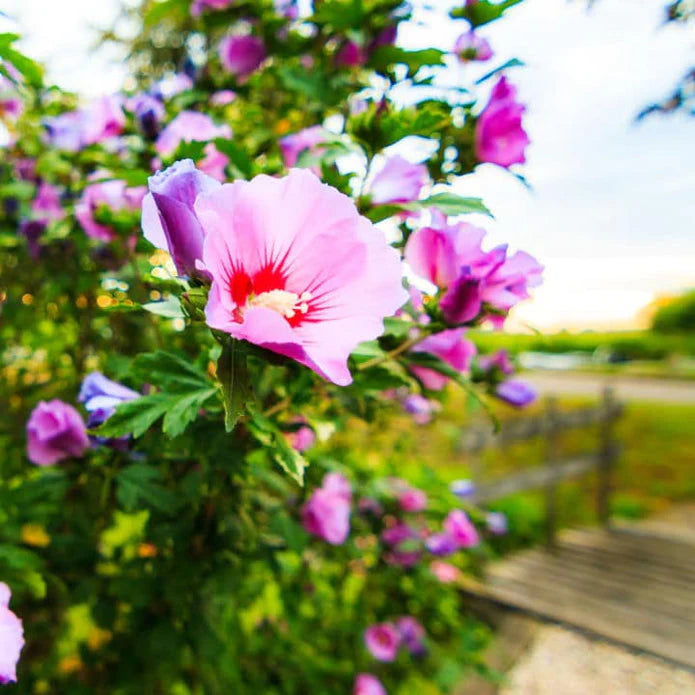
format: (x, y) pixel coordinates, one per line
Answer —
(550, 425)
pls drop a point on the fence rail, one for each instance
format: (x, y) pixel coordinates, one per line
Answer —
(551, 425)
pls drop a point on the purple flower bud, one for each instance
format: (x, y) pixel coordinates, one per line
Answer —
(516, 393)
(169, 220)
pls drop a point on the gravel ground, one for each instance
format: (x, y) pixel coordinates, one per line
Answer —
(564, 662)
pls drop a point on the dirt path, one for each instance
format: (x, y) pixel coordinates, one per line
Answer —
(626, 388)
(564, 662)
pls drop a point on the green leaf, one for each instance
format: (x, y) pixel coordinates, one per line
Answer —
(237, 155)
(397, 327)
(273, 439)
(170, 371)
(483, 11)
(233, 375)
(169, 308)
(135, 417)
(184, 410)
(386, 56)
(31, 71)
(450, 204)
(140, 485)
(513, 63)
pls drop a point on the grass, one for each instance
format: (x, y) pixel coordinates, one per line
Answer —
(654, 471)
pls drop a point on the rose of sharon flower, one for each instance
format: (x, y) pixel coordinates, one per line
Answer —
(399, 181)
(459, 527)
(367, 684)
(46, 205)
(294, 144)
(516, 393)
(327, 512)
(470, 46)
(101, 396)
(412, 500)
(189, 126)
(11, 637)
(382, 641)
(115, 195)
(297, 270)
(242, 55)
(55, 431)
(499, 135)
(169, 221)
(451, 347)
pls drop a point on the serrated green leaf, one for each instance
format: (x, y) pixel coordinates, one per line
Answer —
(184, 410)
(280, 450)
(170, 371)
(140, 485)
(135, 417)
(235, 382)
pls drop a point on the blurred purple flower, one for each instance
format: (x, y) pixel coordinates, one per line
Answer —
(46, 205)
(441, 544)
(496, 523)
(101, 396)
(459, 527)
(497, 360)
(223, 97)
(412, 500)
(197, 6)
(55, 431)
(412, 634)
(349, 55)
(516, 393)
(462, 488)
(421, 408)
(242, 55)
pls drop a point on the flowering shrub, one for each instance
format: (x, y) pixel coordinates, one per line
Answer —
(219, 272)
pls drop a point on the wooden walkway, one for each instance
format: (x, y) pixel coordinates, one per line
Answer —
(625, 585)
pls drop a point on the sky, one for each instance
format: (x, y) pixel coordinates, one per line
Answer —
(611, 203)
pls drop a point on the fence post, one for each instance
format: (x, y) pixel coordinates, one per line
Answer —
(551, 453)
(606, 458)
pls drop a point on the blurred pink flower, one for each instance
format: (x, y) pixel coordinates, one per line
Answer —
(55, 431)
(115, 195)
(303, 437)
(197, 6)
(214, 163)
(46, 205)
(242, 55)
(399, 181)
(327, 512)
(382, 641)
(189, 126)
(366, 684)
(412, 634)
(293, 145)
(297, 270)
(11, 637)
(470, 46)
(459, 527)
(412, 500)
(452, 348)
(223, 97)
(445, 572)
(499, 135)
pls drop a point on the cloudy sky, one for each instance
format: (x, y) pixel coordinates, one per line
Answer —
(612, 203)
